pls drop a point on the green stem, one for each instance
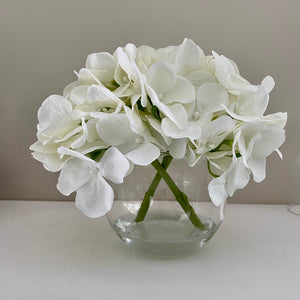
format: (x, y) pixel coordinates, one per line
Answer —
(151, 190)
(181, 198)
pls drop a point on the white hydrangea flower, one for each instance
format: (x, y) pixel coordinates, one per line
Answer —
(169, 92)
(94, 196)
(131, 106)
(115, 130)
(128, 76)
(58, 125)
(236, 177)
(186, 58)
(100, 69)
(227, 73)
(213, 133)
(250, 105)
(255, 142)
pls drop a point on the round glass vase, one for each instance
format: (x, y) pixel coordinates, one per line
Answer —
(157, 219)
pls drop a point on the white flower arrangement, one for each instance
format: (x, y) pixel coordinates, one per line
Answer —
(127, 108)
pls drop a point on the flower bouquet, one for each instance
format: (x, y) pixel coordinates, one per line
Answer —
(144, 106)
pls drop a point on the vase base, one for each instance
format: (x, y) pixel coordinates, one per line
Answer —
(163, 235)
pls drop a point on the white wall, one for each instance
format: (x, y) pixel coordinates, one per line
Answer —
(42, 42)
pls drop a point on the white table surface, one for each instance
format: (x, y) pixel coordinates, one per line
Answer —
(50, 250)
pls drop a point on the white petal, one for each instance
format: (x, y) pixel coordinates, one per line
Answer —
(222, 163)
(188, 56)
(156, 124)
(98, 93)
(210, 97)
(152, 94)
(252, 104)
(103, 62)
(227, 74)
(95, 93)
(217, 154)
(95, 198)
(161, 77)
(69, 88)
(191, 156)
(183, 92)
(144, 155)
(82, 139)
(124, 62)
(272, 138)
(90, 147)
(134, 99)
(87, 76)
(77, 114)
(134, 118)
(190, 108)
(92, 131)
(241, 141)
(279, 119)
(74, 174)
(217, 128)
(178, 148)
(53, 110)
(113, 165)
(246, 137)
(237, 177)
(145, 57)
(192, 130)
(177, 113)
(258, 167)
(37, 146)
(63, 135)
(144, 96)
(269, 83)
(51, 161)
(199, 77)
(131, 51)
(79, 94)
(217, 190)
(65, 151)
(238, 117)
(115, 130)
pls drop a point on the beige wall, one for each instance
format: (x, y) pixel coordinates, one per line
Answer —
(42, 41)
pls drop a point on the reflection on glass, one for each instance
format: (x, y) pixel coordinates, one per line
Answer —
(294, 206)
(294, 179)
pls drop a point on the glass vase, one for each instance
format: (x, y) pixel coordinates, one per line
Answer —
(157, 221)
